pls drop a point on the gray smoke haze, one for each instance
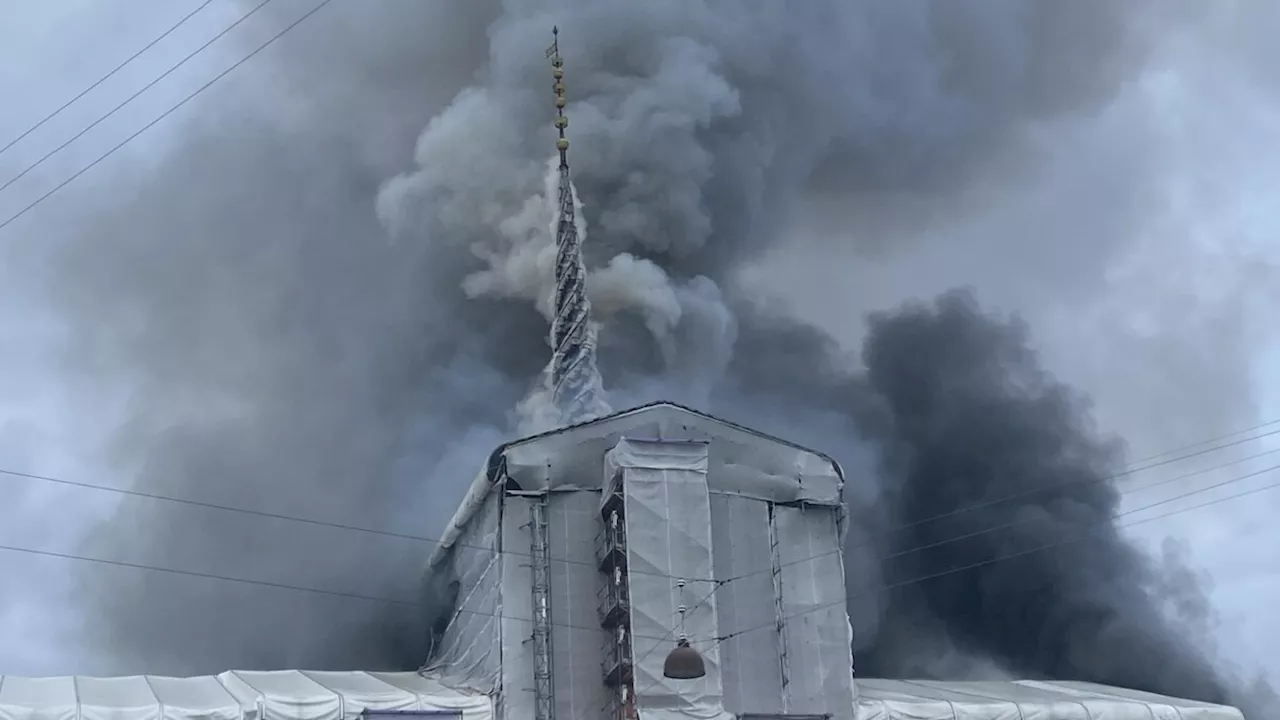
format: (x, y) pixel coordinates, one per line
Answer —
(317, 307)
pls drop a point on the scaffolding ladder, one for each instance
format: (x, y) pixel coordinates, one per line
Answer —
(779, 613)
(615, 603)
(543, 687)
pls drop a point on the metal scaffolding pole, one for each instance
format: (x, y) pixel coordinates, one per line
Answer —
(543, 683)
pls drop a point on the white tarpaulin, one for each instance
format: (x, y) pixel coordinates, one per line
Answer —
(741, 461)
(818, 660)
(233, 695)
(750, 657)
(668, 527)
(470, 650)
(1023, 700)
(577, 640)
(517, 698)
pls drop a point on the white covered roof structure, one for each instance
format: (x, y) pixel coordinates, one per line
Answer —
(235, 695)
(742, 461)
(748, 490)
(307, 695)
(1024, 700)
(762, 496)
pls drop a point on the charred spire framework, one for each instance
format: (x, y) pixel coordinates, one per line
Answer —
(576, 388)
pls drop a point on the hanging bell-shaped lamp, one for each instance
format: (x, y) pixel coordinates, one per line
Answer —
(684, 663)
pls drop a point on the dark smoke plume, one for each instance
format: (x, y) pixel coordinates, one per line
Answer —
(989, 423)
(316, 316)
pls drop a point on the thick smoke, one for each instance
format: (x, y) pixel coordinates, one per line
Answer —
(309, 323)
(1078, 601)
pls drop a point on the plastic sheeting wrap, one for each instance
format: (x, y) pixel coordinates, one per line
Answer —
(817, 644)
(750, 669)
(668, 530)
(744, 461)
(1023, 700)
(470, 651)
(481, 488)
(234, 695)
(577, 640)
(517, 699)
(741, 461)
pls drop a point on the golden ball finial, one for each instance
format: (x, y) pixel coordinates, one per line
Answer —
(562, 144)
(557, 73)
(560, 101)
(562, 122)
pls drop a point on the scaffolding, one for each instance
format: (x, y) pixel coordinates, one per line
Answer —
(615, 603)
(775, 563)
(543, 685)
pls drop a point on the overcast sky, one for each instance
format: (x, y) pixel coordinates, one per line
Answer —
(53, 50)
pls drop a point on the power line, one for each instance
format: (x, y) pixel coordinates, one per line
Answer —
(1011, 556)
(308, 521)
(104, 78)
(667, 636)
(972, 566)
(912, 581)
(258, 583)
(1024, 521)
(567, 561)
(1015, 523)
(164, 115)
(202, 575)
(410, 603)
(132, 97)
(1090, 481)
(1220, 438)
(1131, 511)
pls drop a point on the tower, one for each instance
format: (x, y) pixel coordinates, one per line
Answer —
(634, 530)
(576, 388)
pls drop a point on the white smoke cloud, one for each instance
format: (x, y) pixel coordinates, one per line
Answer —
(509, 226)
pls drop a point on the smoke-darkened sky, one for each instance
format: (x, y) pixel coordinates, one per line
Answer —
(313, 291)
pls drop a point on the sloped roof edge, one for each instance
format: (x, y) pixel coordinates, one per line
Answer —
(495, 458)
(487, 479)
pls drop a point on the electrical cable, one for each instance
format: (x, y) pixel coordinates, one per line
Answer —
(1131, 491)
(106, 77)
(1023, 521)
(1012, 556)
(132, 97)
(1107, 478)
(162, 116)
(1220, 438)
(412, 603)
(669, 633)
(513, 553)
(306, 521)
(272, 585)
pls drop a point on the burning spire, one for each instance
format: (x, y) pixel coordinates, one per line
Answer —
(577, 390)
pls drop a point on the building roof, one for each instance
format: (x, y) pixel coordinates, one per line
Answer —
(233, 695)
(742, 461)
(308, 695)
(623, 416)
(1024, 700)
